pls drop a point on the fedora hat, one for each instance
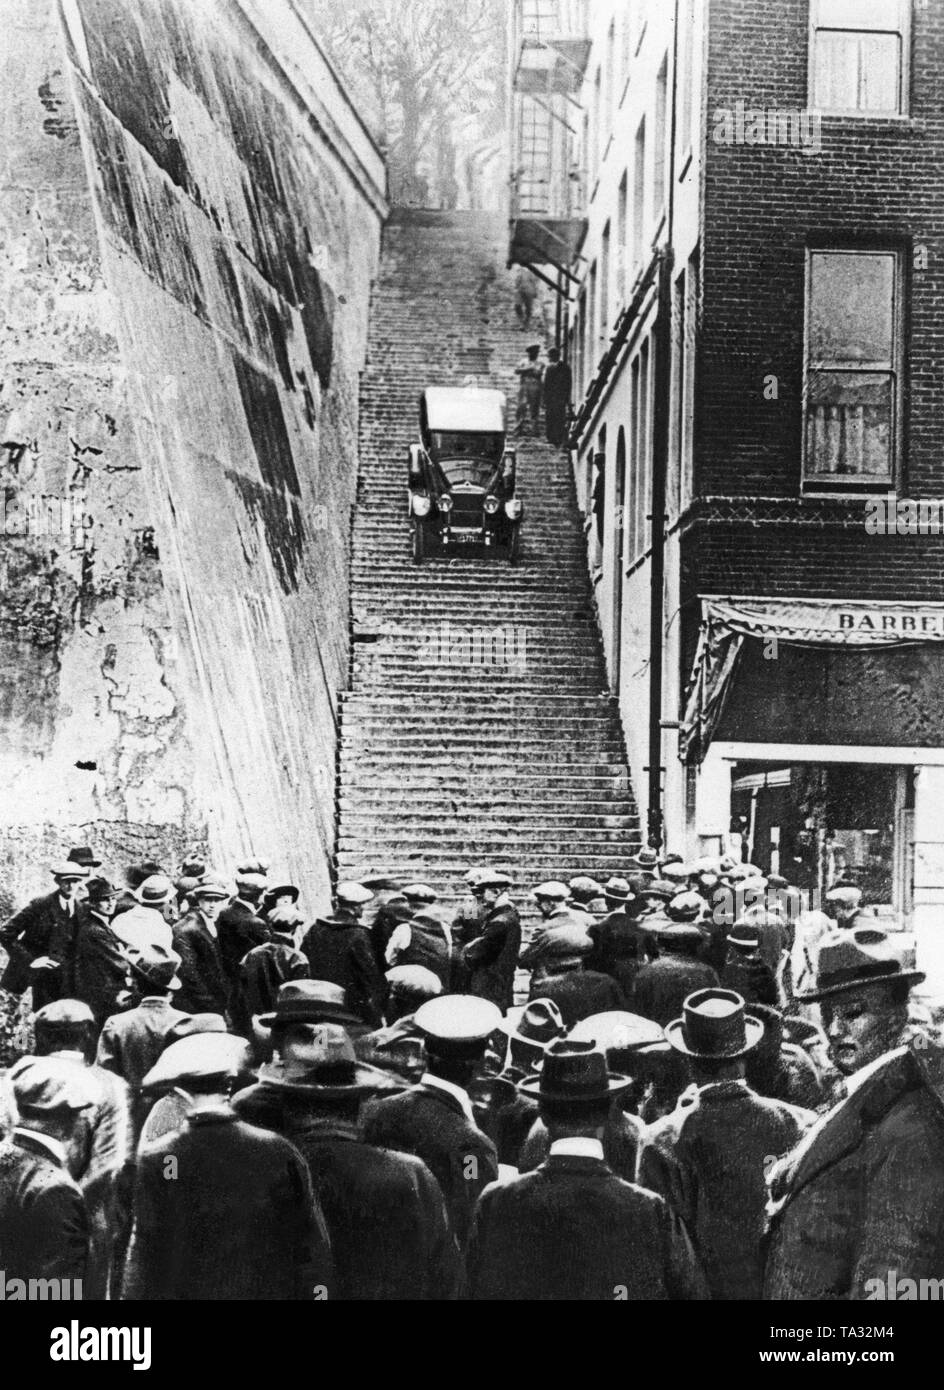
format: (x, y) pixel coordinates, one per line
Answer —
(100, 889)
(309, 1001)
(155, 891)
(853, 959)
(714, 1025)
(618, 889)
(333, 1069)
(659, 888)
(536, 1023)
(646, 859)
(685, 907)
(85, 856)
(573, 1073)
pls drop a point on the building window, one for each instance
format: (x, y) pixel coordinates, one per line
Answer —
(853, 374)
(592, 321)
(859, 56)
(597, 120)
(679, 309)
(639, 194)
(632, 518)
(610, 78)
(658, 140)
(621, 246)
(605, 309)
(687, 77)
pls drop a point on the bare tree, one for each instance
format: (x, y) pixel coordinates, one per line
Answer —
(434, 67)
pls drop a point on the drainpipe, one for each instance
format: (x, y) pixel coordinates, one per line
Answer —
(661, 431)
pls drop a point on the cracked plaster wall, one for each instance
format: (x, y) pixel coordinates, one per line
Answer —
(188, 232)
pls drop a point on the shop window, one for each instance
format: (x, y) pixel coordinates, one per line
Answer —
(853, 349)
(859, 56)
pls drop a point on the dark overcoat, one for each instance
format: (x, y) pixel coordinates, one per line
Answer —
(661, 987)
(386, 1218)
(572, 1230)
(239, 1220)
(101, 965)
(709, 1159)
(205, 988)
(340, 950)
(43, 1222)
(492, 957)
(429, 1123)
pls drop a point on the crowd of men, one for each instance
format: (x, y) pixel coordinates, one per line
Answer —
(706, 1092)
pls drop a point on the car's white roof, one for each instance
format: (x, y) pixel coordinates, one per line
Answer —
(465, 408)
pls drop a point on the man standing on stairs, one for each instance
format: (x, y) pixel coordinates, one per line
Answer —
(340, 950)
(492, 957)
(561, 943)
(530, 375)
(558, 381)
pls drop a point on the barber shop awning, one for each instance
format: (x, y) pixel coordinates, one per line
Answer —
(811, 623)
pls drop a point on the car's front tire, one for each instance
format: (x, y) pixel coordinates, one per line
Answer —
(419, 542)
(514, 546)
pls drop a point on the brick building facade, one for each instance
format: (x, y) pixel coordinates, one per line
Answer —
(783, 164)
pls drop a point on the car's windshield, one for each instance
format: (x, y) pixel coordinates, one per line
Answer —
(461, 444)
(474, 472)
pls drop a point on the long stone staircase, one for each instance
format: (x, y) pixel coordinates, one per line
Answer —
(478, 728)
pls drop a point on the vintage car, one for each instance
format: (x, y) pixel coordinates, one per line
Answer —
(462, 474)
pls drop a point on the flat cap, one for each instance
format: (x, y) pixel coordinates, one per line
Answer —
(200, 1057)
(553, 889)
(44, 1085)
(353, 894)
(845, 896)
(68, 868)
(415, 978)
(585, 886)
(457, 1025)
(493, 878)
(616, 1030)
(209, 886)
(64, 1013)
(419, 893)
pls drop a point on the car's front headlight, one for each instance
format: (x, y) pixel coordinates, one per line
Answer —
(514, 508)
(421, 505)
(444, 503)
(491, 505)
